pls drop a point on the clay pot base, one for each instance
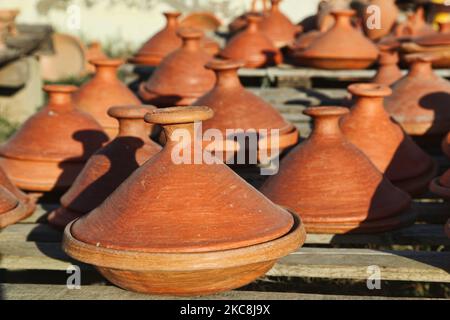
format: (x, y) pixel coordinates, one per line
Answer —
(440, 190)
(403, 219)
(418, 185)
(185, 274)
(161, 101)
(335, 64)
(61, 217)
(22, 211)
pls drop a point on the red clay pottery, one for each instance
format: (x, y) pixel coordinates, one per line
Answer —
(334, 185)
(388, 69)
(421, 100)
(441, 185)
(388, 17)
(341, 47)
(52, 146)
(94, 52)
(415, 25)
(181, 78)
(109, 166)
(103, 91)
(240, 22)
(369, 127)
(252, 46)
(206, 21)
(236, 108)
(14, 204)
(8, 17)
(165, 42)
(183, 229)
(277, 27)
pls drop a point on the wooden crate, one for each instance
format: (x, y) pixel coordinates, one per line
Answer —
(33, 265)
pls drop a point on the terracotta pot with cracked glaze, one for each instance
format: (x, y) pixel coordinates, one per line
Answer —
(109, 166)
(51, 147)
(165, 42)
(358, 198)
(420, 102)
(277, 27)
(388, 70)
(14, 204)
(370, 128)
(183, 229)
(252, 46)
(181, 78)
(103, 91)
(237, 108)
(341, 47)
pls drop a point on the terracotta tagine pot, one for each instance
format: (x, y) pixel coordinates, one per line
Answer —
(252, 46)
(388, 18)
(51, 147)
(388, 69)
(94, 52)
(103, 91)
(415, 25)
(165, 42)
(441, 186)
(369, 127)
(236, 108)
(421, 100)
(206, 21)
(341, 47)
(327, 166)
(14, 204)
(109, 166)
(181, 78)
(240, 23)
(183, 229)
(277, 27)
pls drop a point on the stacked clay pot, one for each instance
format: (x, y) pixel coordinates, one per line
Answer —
(183, 229)
(388, 70)
(181, 77)
(369, 127)
(103, 91)
(109, 166)
(165, 42)
(277, 27)
(334, 186)
(14, 204)
(35, 157)
(252, 46)
(236, 108)
(341, 47)
(420, 102)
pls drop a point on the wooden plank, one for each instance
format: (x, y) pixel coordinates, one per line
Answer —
(106, 292)
(307, 262)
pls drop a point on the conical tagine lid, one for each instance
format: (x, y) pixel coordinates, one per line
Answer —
(370, 128)
(51, 147)
(169, 207)
(252, 46)
(341, 47)
(388, 69)
(277, 27)
(421, 100)
(236, 108)
(181, 77)
(333, 185)
(102, 92)
(109, 166)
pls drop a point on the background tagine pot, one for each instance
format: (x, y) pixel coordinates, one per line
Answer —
(388, 70)
(370, 128)
(388, 18)
(327, 166)
(103, 91)
(109, 166)
(181, 78)
(51, 147)
(186, 229)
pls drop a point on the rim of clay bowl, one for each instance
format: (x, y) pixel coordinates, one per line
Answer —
(21, 211)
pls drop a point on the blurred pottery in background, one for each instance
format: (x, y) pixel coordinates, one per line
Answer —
(369, 127)
(388, 14)
(252, 47)
(94, 52)
(103, 91)
(205, 21)
(172, 228)
(327, 166)
(420, 102)
(34, 157)
(341, 47)
(388, 70)
(414, 26)
(8, 18)
(240, 22)
(181, 78)
(109, 166)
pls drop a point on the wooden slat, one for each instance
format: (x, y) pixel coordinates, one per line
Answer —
(96, 292)
(307, 262)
